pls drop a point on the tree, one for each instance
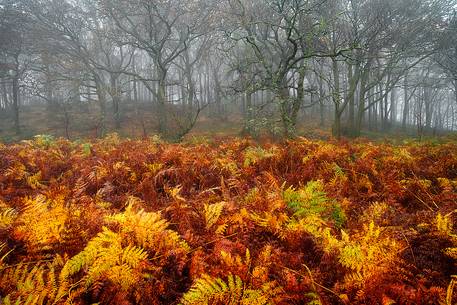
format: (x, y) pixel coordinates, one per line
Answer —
(14, 52)
(163, 30)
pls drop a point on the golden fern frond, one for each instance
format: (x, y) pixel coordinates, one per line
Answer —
(153, 168)
(352, 257)
(97, 248)
(33, 283)
(123, 276)
(451, 252)
(7, 217)
(3, 246)
(42, 222)
(220, 230)
(268, 294)
(233, 261)
(252, 155)
(444, 224)
(273, 222)
(450, 289)
(208, 290)
(212, 213)
(175, 193)
(34, 180)
(105, 258)
(372, 254)
(150, 230)
(133, 256)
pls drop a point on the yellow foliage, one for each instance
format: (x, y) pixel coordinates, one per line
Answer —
(370, 254)
(208, 290)
(17, 171)
(446, 184)
(42, 222)
(375, 212)
(221, 229)
(175, 193)
(444, 224)
(7, 217)
(229, 165)
(272, 222)
(450, 290)
(212, 213)
(154, 168)
(104, 257)
(33, 284)
(149, 229)
(34, 181)
(236, 261)
(252, 155)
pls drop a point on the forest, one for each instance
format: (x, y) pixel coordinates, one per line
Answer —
(267, 67)
(223, 152)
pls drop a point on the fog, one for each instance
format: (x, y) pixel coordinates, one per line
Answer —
(268, 67)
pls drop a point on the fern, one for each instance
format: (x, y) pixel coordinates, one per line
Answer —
(312, 200)
(149, 230)
(42, 223)
(105, 257)
(153, 168)
(28, 283)
(43, 141)
(450, 289)
(444, 224)
(34, 180)
(309, 200)
(371, 255)
(252, 155)
(7, 217)
(208, 290)
(212, 213)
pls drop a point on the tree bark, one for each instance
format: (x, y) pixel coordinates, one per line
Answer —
(101, 94)
(161, 101)
(336, 130)
(17, 126)
(115, 96)
(406, 104)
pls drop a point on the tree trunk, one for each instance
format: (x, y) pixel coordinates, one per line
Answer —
(351, 100)
(361, 106)
(17, 126)
(298, 101)
(393, 106)
(406, 104)
(336, 130)
(161, 101)
(455, 90)
(115, 96)
(248, 112)
(101, 94)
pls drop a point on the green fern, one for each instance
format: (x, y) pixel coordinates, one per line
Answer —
(309, 200)
(312, 200)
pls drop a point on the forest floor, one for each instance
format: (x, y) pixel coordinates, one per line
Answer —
(141, 122)
(229, 221)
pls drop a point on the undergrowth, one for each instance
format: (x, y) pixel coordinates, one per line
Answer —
(227, 222)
